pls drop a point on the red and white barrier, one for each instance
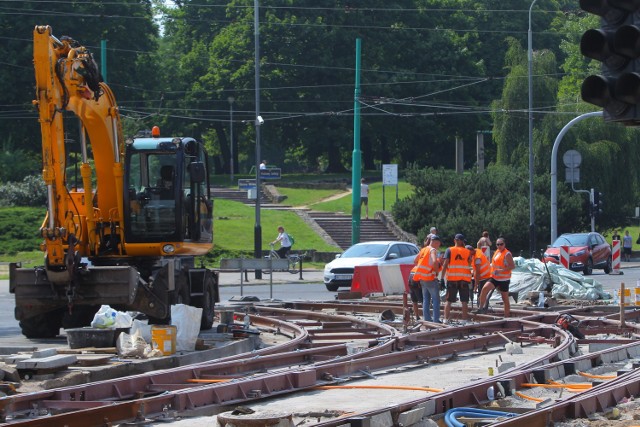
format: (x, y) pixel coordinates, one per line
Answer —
(615, 257)
(564, 256)
(387, 279)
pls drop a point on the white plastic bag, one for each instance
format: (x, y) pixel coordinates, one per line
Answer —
(107, 317)
(143, 328)
(187, 320)
(104, 318)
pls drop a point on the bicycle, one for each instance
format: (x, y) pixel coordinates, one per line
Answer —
(294, 259)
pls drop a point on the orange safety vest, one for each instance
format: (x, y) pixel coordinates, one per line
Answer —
(424, 251)
(424, 271)
(485, 266)
(459, 266)
(498, 263)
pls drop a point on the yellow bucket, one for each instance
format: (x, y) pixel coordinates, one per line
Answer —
(637, 296)
(163, 338)
(627, 296)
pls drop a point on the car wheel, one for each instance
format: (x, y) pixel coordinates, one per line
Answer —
(588, 267)
(607, 267)
(331, 287)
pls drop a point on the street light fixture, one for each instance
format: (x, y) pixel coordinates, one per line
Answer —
(532, 225)
(231, 99)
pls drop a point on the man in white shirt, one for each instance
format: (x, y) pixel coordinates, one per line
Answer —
(285, 243)
(263, 165)
(364, 197)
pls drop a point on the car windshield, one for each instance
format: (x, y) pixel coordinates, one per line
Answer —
(571, 240)
(365, 251)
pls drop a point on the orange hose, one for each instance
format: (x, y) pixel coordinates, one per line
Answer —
(567, 386)
(379, 387)
(598, 377)
(524, 396)
(572, 385)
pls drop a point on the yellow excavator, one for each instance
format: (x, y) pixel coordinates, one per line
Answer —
(129, 235)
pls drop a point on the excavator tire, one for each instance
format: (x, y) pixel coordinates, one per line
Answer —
(43, 325)
(207, 303)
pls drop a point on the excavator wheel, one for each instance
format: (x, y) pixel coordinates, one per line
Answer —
(207, 302)
(43, 325)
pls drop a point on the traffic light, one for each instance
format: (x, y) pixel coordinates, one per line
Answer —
(617, 45)
(598, 203)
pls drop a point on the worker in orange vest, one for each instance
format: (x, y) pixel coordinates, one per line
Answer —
(501, 265)
(457, 272)
(481, 269)
(427, 273)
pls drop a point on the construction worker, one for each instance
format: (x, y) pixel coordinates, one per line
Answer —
(457, 272)
(415, 290)
(427, 273)
(481, 269)
(501, 265)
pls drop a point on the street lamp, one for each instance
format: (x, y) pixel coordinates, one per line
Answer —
(231, 99)
(532, 225)
(257, 230)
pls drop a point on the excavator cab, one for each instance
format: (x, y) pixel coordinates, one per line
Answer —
(168, 197)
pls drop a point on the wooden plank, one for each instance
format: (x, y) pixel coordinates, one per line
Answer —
(92, 359)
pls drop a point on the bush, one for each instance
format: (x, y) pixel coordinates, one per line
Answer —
(30, 192)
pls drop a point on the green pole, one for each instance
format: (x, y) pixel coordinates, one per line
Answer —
(103, 59)
(356, 159)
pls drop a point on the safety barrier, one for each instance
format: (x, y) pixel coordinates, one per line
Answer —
(388, 279)
(615, 257)
(564, 256)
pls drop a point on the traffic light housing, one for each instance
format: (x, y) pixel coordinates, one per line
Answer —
(598, 203)
(617, 46)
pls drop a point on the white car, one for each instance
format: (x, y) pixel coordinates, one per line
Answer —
(339, 272)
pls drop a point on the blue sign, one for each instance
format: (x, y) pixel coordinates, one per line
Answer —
(270, 173)
(246, 184)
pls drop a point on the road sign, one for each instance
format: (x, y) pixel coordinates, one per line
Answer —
(246, 184)
(390, 174)
(572, 159)
(270, 173)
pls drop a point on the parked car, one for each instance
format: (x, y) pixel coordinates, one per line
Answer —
(339, 272)
(586, 252)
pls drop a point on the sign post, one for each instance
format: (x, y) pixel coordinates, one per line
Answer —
(389, 177)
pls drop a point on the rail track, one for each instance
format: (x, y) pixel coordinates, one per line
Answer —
(326, 348)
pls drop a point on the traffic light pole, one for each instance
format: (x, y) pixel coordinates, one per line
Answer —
(593, 210)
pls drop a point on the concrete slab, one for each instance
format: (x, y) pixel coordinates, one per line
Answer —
(53, 362)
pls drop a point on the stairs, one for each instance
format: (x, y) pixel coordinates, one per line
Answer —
(338, 226)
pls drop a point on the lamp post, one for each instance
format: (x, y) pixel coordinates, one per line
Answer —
(532, 225)
(257, 230)
(231, 99)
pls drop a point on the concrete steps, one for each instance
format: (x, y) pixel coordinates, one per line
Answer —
(338, 226)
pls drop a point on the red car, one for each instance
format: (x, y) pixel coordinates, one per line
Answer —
(586, 252)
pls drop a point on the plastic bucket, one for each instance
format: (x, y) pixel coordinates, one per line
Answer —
(163, 338)
(637, 296)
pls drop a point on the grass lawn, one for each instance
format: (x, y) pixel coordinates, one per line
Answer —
(376, 196)
(234, 225)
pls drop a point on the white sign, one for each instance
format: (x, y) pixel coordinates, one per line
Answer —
(389, 174)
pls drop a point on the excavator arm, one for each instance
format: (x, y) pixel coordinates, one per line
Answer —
(67, 79)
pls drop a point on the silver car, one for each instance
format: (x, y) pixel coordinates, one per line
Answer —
(339, 272)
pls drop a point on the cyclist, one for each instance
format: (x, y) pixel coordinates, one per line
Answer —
(285, 243)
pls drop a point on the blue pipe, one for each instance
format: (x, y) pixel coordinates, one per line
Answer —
(452, 414)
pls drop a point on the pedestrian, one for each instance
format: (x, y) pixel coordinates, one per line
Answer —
(427, 274)
(285, 242)
(481, 270)
(415, 290)
(364, 197)
(263, 165)
(627, 245)
(484, 241)
(457, 273)
(615, 236)
(501, 265)
(432, 232)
